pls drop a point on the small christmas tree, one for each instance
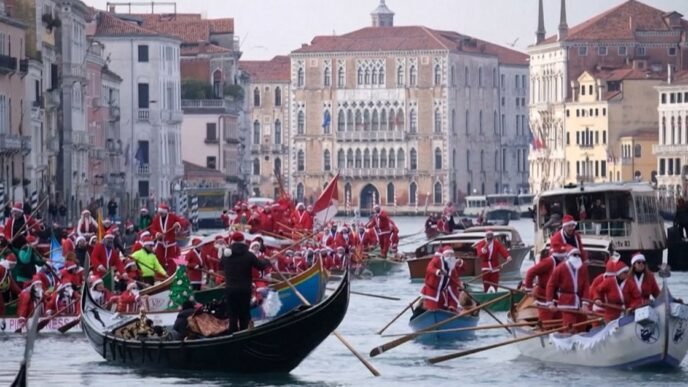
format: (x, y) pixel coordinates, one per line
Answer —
(180, 290)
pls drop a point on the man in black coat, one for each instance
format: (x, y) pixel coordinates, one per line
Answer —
(181, 324)
(237, 263)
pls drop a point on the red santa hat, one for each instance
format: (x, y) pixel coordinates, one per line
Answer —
(63, 286)
(341, 249)
(568, 220)
(130, 263)
(573, 251)
(131, 285)
(93, 240)
(107, 222)
(85, 212)
(143, 210)
(163, 207)
(558, 251)
(147, 241)
(80, 238)
(11, 258)
(17, 207)
(620, 268)
(196, 241)
(39, 280)
(609, 268)
(254, 245)
(489, 232)
(95, 281)
(637, 257)
(237, 237)
(109, 235)
(129, 225)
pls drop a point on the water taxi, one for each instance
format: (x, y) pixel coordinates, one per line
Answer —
(475, 205)
(504, 202)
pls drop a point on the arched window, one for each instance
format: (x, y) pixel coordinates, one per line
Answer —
(401, 159)
(256, 97)
(438, 193)
(359, 120)
(637, 151)
(664, 133)
(413, 193)
(256, 167)
(480, 121)
(374, 77)
(300, 161)
(383, 158)
(400, 120)
(376, 159)
(256, 132)
(383, 120)
(468, 122)
(327, 161)
(327, 77)
(277, 166)
(438, 158)
(341, 121)
(413, 121)
(217, 83)
(340, 77)
(453, 121)
(366, 158)
(278, 132)
(438, 121)
(390, 195)
(381, 76)
(400, 75)
(347, 193)
(495, 124)
(357, 160)
(414, 159)
(392, 159)
(366, 120)
(376, 122)
(438, 74)
(300, 123)
(391, 119)
(299, 192)
(366, 76)
(350, 158)
(412, 76)
(360, 76)
(278, 96)
(340, 159)
(300, 77)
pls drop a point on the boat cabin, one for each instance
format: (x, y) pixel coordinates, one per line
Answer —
(475, 204)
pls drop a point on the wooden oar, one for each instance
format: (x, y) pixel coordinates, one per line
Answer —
(564, 310)
(488, 311)
(372, 295)
(397, 342)
(303, 299)
(409, 306)
(481, 327)
(439, 359)
(21, 229)
(605, 305)
(43, 323)
(69, 325)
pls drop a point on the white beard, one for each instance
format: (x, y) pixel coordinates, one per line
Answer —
(576, 262)
(450, 261)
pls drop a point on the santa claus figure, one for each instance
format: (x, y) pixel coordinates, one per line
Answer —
(68, 274)
(344, 239)
(643, 279)
(302, 218)
(537, 277)
(195, 264)
(7, 283)
(18, 226)
(568, 236)
(127, 302)
(68, 244)
(30, 298)
(165, 227)
(383, 226)
(101, 295)
(86, 226)
(442, 283)
(568, 286)
(330, 236)
(617, 293)
(63, 300)
(490, 251)
(105, 257)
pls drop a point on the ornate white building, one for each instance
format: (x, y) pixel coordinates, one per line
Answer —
(672, 149)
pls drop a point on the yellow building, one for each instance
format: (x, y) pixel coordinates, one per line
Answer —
(608, 108)
(636, 161)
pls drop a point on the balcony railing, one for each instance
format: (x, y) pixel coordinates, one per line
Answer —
(373, 172)
(143, 115)
(8, 64)
(669, 149)
(74, 70)
(9, 143)
(143, 170)
(364, 136)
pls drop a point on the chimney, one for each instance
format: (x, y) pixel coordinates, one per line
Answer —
(563, 26)
(540, 33)
(112, 8)
(669, 68)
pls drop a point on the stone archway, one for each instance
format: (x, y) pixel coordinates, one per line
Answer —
(369, 196)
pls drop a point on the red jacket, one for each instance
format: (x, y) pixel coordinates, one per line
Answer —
(31, 225)
(126, 302)
(67, 246)
(194, 266)
(440, 291)
(56, 303)
(225, 220)
(382, 222)
(624, 295)
(84, 228)
(108, 260)
(330, 239)
(568, 286)
(370, 239)
(646, 284)
(68, 277)
(542, 271)
(340, 241)
(303, 220)
(557, 239)
(165, 228)
(489, 256)
(26, 304)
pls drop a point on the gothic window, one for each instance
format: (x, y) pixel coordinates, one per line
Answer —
(381, 75)
(375, 159)
(383, 158)
(495, 123)
(414, 159)
(256, 167)
(400, 119)
(300, 77)
(359, 120)
(637, 151)
(360, 76)
(392, 159)
(438, 158)
(453, 121)
(347, 192)
(390, 194)
(438, 75)
(300, 161)
(217, 84)
(400, 75)
(300, 123)
(340, 159)
(278, 96)
(376, 122)
(480, 121)
(374, 77)
(412, 76)
(366, 120)
(340, 78)
(468, 126)
(438, 121)
(383, 120)
(357, 160)
(278, 132)
(366, 158)
(401, 160)
(256, 97)
(413, 121)
(299, 192)
(438, 193)
(327, 77)
(341, 123)
(413, 193)
(256, 132)
(277, 166)
(327, 162)
(350, 158)
(366, 76)
(391, 119)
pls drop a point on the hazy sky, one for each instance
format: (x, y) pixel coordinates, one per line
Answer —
(272, 27)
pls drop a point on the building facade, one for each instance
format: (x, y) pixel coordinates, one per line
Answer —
(150, 105)
(409, 116)
(14, 136)
(632, 34)
(636, 162)
(267, 93)
(670, 151)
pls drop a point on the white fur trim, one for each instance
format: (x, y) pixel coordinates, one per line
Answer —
(638, 258)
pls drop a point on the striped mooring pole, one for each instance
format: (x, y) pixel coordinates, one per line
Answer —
(194, 212)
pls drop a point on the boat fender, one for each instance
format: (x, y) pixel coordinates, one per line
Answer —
(272, 304)
(646, 315)
(679, 311)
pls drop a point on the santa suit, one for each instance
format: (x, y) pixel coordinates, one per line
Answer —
(646, 284)
(569, 286)
(394, 239)
(440, 291)
(27, 304)
(542, 271)
(14, 229)
(225, 220)
(623, 295)
(68, 246)
(559, 239)
(108, 258)
(299, 263)
(7, 283)
(383, 225)
(370, 239)
(57, 302)
(489, 254)
(86, 227)
(344, 240)
(303, 220)
(126, 302)
(266, 221)
(166, 248)
(594, 291)
(194, 265)
(329, 239)
(101, 298)
(67, 276)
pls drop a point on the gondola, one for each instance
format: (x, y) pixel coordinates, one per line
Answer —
(277, 346)
(427, 318)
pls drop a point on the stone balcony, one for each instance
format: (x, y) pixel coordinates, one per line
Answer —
(367, 136)
(8, 64)
(10, 144)
(374, 172)
(670, 149)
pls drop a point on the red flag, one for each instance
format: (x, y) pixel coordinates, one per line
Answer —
(325, 208)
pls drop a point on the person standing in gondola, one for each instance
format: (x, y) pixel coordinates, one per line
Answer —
(442, 284)
(237, 263)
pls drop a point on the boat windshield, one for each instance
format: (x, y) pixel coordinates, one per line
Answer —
(599, 213)
(525, 200)
(501, 200)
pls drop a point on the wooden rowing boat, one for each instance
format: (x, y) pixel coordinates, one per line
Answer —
(428, 318)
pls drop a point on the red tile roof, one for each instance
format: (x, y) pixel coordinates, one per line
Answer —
(190, 27)
(202, 48)
(409, 38)
(110, 25)
(620, 23)
(627, 74)
(277, 69)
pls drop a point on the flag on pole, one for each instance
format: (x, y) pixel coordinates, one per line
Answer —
(100, 225)
(325, 208)
(326, 119)
(56, 253)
